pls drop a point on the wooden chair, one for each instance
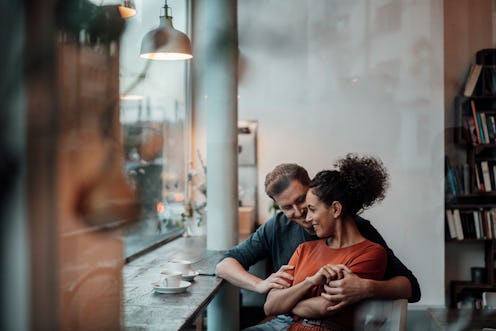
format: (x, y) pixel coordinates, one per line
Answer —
(488, 300)
(384, 315)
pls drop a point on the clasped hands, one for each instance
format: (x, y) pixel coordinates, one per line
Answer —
(341, 286)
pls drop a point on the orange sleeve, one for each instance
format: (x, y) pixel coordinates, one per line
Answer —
(295, 260)
(371, 264)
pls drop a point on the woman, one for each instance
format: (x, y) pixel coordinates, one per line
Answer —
(334, 199)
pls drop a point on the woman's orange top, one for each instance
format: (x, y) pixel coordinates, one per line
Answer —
(366, 259)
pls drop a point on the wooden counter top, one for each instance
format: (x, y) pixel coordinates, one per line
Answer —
(146, 310)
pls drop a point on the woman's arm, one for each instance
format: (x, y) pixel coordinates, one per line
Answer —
(280, 301)
(312, 308)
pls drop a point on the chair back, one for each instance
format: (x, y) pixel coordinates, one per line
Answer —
(488, 300)
(383, 315)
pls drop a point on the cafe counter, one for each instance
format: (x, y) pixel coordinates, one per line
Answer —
(146, 309)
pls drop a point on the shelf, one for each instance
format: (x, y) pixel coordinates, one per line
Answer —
(474, 214)
(456, 241)
(461, 289)
(471, 285)
(472, 200)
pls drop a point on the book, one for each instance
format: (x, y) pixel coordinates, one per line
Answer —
(491, 174)
(490, 129)
(477, 224)
(479, 177)
(492, 123)
(481, 129)
(466, 179)
(486, 176)
(452, 182)
(488, 81)
(467, 218)
(485, 129)
(476, 122)
(485, 224)
(472, 79)
(458, 224)
(451, 224)
(472, 131)
(489, 220)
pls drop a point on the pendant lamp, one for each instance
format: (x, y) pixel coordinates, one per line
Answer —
(127, 8)
(165, 42)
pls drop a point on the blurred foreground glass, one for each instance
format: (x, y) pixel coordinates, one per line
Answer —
(127, 8)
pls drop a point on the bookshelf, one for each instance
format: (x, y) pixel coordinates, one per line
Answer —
(471, 187)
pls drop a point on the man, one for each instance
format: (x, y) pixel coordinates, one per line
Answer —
(278, 238)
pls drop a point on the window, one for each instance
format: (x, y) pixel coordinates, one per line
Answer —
(154, 117)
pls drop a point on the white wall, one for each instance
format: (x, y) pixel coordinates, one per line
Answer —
(325, 78)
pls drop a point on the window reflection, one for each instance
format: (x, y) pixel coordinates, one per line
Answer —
(154, 120)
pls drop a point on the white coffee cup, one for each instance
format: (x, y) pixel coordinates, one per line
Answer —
(184, 266)
(171, 278)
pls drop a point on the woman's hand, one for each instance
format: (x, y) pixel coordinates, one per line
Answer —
(347, 289)
(279, 280)
(325, 274)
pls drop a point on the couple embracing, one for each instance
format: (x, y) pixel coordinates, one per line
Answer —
(325, 257)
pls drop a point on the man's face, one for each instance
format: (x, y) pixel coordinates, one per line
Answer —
(292, 203)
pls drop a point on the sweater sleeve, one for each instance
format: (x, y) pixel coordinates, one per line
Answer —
(255, 248)
(394, 266)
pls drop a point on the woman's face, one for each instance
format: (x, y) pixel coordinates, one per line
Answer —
(320, 216)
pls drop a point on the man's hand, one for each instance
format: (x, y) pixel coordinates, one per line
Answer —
(344, 291)
(279, 279)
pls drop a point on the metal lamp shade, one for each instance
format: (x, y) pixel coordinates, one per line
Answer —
(165, 43)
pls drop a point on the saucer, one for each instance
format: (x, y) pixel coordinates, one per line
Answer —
(166, 290)
(191, 275)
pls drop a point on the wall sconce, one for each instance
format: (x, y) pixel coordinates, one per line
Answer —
(165, 42)
(127, 8)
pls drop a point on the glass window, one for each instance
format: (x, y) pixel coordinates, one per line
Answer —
(154, 112)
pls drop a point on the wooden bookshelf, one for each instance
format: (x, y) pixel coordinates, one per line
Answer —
(471, 189)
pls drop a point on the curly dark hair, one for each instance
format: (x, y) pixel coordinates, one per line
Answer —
(282, 175)
(358, 182)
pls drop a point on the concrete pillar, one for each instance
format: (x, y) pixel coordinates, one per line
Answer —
(222, 117)
(221, 83)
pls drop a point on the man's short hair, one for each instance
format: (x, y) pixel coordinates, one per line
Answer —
(279, 179)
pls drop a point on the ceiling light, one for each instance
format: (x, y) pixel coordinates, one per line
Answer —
(165, 42)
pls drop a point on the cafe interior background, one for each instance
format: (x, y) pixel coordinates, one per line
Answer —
(102, 150)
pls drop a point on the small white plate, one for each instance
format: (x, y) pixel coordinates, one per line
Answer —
(166, 290)
(192, 274)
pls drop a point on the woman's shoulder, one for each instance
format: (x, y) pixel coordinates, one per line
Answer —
(372, 247)
(366, 246)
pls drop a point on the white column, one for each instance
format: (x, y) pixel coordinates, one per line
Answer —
(222, 117)
(222, 162)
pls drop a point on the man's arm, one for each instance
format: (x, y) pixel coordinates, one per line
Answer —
(397, 289)
(352, 288)
(232, 271)
(234, 267)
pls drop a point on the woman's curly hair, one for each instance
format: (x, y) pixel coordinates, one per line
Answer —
(358, 182)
